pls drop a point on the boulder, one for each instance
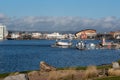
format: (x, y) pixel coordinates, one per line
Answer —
(17, 77)
(44, 67)
(115, 65)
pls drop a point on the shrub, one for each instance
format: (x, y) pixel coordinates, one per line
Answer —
(91, 72)
(61, 75)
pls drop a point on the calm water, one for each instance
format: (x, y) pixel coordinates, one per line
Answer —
(22, 55)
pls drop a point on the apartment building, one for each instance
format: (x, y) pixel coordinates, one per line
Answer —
(3, 32)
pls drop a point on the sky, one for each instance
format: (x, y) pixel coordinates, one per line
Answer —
(60, 15)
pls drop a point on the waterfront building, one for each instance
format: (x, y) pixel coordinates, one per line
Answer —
(115, 34)
(36, 35)
(55, 35)
(107, 36)
(15, 35)
(3, 32)
(87, 34)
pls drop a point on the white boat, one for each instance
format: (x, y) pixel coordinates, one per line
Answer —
(62, 44)
(81, 45)
(91, 46)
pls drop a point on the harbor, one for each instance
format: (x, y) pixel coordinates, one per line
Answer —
(59, 40)
(20, 50)
(19, 55)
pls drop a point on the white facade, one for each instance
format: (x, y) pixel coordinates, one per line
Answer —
(36, 35)
(3, 32)
(55, 35)
(15, 36)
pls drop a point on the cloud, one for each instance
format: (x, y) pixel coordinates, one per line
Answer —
(66, 23)
(2, 16)
(4, 19)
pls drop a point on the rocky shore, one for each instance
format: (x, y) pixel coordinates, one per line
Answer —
(48, 72)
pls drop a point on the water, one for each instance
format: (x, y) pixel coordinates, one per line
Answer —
(23, 55)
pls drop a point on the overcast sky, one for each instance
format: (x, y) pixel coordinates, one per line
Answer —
(60, 15)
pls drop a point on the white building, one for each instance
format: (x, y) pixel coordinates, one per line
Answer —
(15, 35)
(55, 35)
(3, 32)
(36, 35)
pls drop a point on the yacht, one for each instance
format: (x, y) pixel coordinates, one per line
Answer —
(62, 44)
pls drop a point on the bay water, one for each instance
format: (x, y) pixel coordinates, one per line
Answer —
(24, 55)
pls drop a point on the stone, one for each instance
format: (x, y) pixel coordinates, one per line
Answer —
(115, 65)
(44, 67)
(17, 77)
(37, 75)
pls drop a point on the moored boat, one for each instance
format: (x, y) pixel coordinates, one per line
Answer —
(62, 44)
(81, 45)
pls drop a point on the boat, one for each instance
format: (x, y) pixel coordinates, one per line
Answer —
(62, 44)
(106, 45)
(8, 38)
(91, 46)
(81, 45)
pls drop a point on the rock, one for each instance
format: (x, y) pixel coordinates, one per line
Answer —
(17, 77)
(37, 75)
(115, 65)
(44, 67)
(33, 73)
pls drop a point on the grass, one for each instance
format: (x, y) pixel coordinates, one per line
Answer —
(74, 68)
(81, 68)
(104, 67)
(4, 75)
(85, 67)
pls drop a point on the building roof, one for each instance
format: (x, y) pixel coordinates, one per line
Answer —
(85, 30)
